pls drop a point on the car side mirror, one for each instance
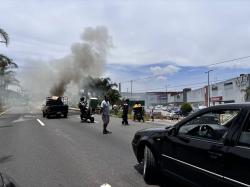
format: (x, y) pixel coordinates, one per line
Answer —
(172, 131)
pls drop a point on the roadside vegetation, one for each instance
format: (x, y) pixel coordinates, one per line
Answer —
(98, 87)
(7, 75)
(186, 108)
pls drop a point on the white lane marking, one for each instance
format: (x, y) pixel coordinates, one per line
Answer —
(41, 123)
(105, 185)
(20, 119)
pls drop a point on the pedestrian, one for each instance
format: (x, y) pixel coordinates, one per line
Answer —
(152, 114)
(105, 114)
(125, 112)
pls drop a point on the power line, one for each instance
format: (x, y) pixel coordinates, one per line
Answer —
(181, 85)
(226, 61)
(209, 65)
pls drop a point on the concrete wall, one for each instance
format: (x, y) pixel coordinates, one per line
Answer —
(227, 91)
(156, 98)
(196, 96)
(231, 90)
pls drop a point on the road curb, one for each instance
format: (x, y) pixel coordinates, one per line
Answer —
(4, 112)
(74, 109)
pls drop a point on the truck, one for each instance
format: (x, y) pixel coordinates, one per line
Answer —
(55, 106)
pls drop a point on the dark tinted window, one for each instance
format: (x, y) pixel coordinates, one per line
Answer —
(245, 135)
(211, 125)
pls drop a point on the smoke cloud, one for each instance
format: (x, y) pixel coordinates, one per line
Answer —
(87, 58)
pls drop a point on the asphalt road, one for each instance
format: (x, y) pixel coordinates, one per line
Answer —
(36, 151)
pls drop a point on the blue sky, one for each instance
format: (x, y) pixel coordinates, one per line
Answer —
(161, 38)
(185, 77)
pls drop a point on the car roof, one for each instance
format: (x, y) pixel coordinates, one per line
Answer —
(231, 105)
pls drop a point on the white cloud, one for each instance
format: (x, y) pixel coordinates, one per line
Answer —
(186, 33)
(167, 70)
(161, 78)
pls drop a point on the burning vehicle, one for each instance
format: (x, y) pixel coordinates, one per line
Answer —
(55, 106)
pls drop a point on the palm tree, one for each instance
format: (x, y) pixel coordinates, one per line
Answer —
(6, 62)
(99, 86)
(4, 37)
(7, 77)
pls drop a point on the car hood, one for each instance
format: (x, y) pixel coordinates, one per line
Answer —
(154, 129)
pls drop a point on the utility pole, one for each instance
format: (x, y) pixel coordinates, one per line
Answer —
(120, 87)
(208, 87)
(131, 82)
(166, 92)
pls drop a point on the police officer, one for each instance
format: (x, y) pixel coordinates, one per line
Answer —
(125, 112)
(82, 106)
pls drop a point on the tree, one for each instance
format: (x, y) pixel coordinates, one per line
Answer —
(4, 37)
(186, 108)
(6, 62)
(7, 76)
(114, 96)
(97, 86)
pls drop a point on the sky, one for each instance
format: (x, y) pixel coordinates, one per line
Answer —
(172, 42)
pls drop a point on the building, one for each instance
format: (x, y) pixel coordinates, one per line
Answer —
(154, 98)
(134, 96)
(197, 97)
(229, 91)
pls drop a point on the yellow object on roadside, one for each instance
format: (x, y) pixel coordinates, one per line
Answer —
(137, 106)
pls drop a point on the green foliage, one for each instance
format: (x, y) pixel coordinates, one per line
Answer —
(114, 96)
(7, 76)
(186, 108)
(102, 86)
(4, 37)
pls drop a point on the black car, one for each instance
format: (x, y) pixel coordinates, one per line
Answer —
(209, 147)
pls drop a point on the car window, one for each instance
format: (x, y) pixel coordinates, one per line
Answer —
(212, 125)
(245, 134)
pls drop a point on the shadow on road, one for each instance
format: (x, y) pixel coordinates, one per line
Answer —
(6, 158)
(161, 181)
(56, 117)
(4, 126)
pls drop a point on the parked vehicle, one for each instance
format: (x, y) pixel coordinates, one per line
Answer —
(56, 106)
(170, 114)
(208, 148)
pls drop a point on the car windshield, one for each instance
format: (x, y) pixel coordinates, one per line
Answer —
(79, 79)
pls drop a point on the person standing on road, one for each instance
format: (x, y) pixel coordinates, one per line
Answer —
(152, 114)
(125, 112)
(105, 114)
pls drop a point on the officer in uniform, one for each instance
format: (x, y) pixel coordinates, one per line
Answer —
(125, 112)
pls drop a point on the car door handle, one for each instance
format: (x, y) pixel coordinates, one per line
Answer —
(214, 155)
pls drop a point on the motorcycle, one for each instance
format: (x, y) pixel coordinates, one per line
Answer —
(138, 114)
(86, 113)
